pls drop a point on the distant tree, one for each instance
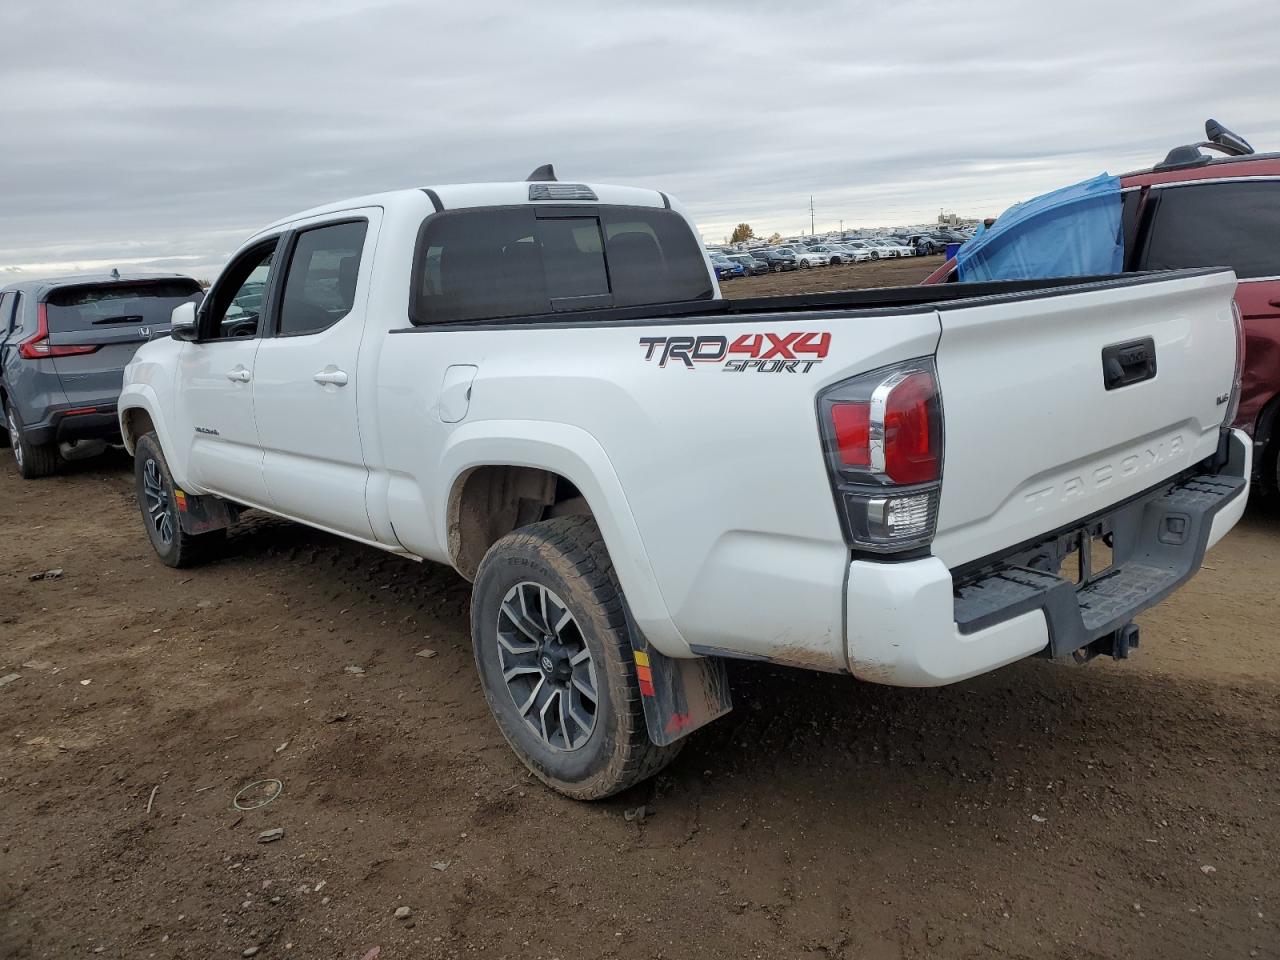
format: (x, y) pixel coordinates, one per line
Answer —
(741, 233)
(204, 283)
(775, 237)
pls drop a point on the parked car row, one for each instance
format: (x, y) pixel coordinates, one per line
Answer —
(806, 255)
(829, 251)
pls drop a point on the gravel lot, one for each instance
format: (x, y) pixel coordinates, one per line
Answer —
(1117, 810)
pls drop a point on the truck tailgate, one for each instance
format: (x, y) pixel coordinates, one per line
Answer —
(1035, 436)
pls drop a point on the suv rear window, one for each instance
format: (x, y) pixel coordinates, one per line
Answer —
(142, 303)
(496, 262)
(1229, 224)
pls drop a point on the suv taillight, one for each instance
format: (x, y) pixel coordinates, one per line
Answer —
(38, 347)
(883, 437)
(1237, 380)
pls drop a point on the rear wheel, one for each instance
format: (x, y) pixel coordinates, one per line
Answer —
(555, 660)
(804, 264)
(34, 460)
(875, 255)
(159, 505)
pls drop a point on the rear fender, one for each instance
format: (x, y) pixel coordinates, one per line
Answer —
(578, 457)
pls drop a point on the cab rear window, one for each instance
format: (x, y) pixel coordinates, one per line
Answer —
(499, 262)
(145, 303)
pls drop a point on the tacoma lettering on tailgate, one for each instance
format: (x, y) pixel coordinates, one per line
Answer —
(1100, 476)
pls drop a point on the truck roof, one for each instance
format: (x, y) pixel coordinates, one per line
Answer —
(454, 196)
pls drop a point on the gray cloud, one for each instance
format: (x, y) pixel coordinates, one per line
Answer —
(161, 134)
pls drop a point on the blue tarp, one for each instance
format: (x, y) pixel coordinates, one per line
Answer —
(1071, 232)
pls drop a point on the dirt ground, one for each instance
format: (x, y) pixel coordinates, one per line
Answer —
(1125, 810)
(850, 276)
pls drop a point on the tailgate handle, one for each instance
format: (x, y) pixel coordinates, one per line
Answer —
(1127, 363)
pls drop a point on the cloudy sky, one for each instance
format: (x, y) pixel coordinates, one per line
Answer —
(158, 135)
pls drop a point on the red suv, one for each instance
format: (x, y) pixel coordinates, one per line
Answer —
(1193, 210)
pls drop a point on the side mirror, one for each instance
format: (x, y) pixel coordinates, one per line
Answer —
(183, 322)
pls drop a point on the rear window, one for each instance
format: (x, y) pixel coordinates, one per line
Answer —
(499, 262)
(1232, 224)
(147, 303)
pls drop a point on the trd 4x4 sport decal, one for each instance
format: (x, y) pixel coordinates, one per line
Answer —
(758, 352)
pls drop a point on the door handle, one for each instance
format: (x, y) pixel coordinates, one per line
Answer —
(327, 376)
(239, 375)
(1275, 303)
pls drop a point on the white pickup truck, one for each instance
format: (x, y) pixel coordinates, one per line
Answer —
(538, 384)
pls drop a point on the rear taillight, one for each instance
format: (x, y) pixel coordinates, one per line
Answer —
(38, 347)
(883, 438)
(1237, 380)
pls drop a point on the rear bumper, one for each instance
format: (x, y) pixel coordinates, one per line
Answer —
(67, 422)
(910, 624)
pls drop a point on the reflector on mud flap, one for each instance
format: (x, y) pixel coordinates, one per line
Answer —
(203, 514)
(679, 696)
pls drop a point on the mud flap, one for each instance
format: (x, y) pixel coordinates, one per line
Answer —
(203, 514)
(679, 696)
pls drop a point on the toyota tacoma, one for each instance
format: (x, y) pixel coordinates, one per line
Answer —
(538, 384)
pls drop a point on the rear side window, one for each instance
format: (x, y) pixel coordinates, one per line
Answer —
(1231, 224)
(523, 261)
(321, 286)
(131, 303)
(6, 312)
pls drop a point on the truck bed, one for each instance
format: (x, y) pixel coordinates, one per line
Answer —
(878, 301)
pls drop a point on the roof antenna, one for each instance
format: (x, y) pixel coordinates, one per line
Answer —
(115, 273)
(545, 173)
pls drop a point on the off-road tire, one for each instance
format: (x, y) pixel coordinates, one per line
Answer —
(182, 549)
(34, 460)
(567, 555)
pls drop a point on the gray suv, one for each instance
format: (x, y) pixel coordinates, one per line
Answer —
(64, 344)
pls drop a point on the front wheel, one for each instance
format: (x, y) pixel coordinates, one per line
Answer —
(804, 264)
(158, 501)
(555, 660)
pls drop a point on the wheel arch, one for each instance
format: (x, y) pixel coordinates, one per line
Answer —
(502, 475)
(135, 422)
(1267, 444)
(139, 412)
